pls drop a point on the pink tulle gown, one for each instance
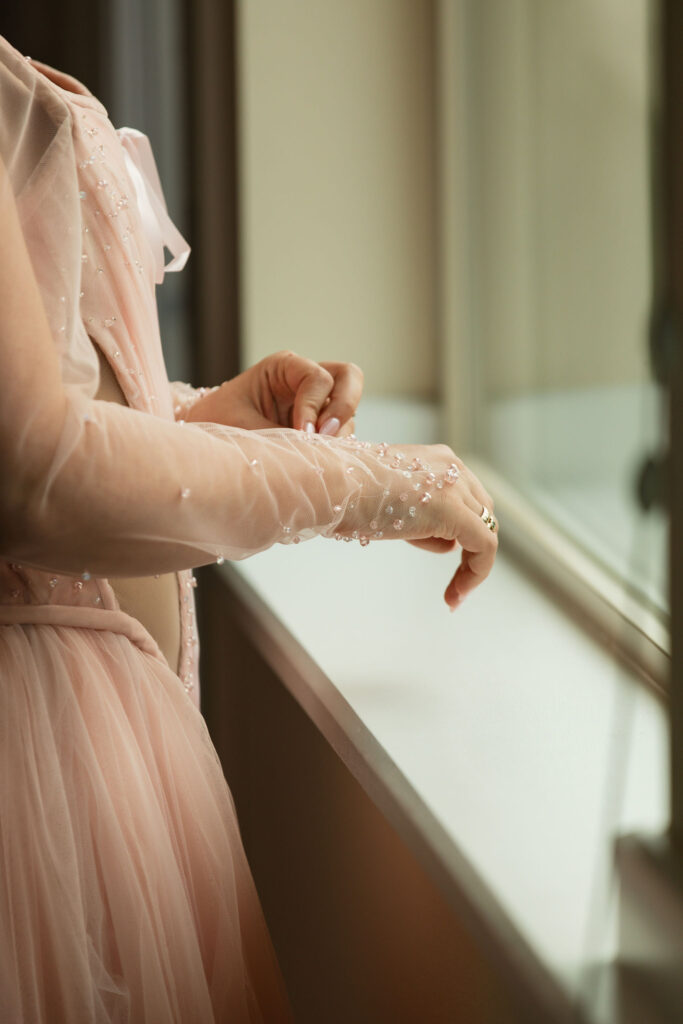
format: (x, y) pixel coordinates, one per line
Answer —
(125, 895)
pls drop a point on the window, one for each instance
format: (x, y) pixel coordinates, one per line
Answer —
(547, 179)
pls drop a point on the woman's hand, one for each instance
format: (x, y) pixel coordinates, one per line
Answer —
(286, 390)
(451, 516)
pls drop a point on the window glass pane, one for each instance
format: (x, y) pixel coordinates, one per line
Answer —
(560, 124)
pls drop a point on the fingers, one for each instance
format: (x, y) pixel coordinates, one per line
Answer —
(459, 513)
(344, 397)
(347, 428)
(472, 502)
(325, 395)
(480, 546)
(439, 545)
(475, 485)
(474, 565)
(310, 384)
(472, 491)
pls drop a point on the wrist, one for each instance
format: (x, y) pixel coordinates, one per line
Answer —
(407, 501)
(194, 409)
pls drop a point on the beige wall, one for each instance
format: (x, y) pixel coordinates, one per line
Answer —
(337, 185)
(340, 232)
(558, 235)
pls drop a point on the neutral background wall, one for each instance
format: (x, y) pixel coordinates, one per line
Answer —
(557, 143)
(337, 185)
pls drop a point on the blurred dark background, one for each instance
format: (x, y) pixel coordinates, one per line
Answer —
(166, 67)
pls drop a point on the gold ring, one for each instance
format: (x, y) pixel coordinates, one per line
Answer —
(488, 519)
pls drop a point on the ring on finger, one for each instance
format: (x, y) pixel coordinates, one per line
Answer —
(488, 519)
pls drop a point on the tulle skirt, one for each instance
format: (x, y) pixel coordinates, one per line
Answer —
(125, 895)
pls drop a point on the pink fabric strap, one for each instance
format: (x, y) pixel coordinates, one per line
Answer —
(159, 228)
(83, 618)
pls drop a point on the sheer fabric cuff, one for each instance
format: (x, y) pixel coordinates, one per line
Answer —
(184, 397)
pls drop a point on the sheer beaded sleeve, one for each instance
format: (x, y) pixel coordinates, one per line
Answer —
(117, 491)
(184, 397)
(138, 494)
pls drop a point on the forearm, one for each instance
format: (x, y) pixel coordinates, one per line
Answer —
(93, 486)
(138, 495)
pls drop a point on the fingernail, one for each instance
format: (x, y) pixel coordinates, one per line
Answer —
(308, 427)
(331, 426)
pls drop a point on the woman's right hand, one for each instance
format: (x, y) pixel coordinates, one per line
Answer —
(452, 516)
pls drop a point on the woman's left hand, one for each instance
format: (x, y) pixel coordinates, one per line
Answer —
(286, 390)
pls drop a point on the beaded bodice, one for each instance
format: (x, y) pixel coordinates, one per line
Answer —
(119, 269)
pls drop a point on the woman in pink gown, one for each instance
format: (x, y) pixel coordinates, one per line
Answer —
(125, 891)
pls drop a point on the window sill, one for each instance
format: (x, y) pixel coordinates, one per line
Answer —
(505, 745)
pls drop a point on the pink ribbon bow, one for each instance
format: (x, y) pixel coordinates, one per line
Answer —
(158, 226)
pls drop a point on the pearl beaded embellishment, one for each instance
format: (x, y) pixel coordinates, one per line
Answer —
(420, 490)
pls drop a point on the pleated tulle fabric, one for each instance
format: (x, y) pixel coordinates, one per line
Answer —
(125, 895)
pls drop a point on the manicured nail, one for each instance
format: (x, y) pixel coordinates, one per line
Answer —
(331, 427)
(308, 427)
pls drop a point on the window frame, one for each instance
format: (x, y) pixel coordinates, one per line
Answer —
(672, 230)
(609, 609)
